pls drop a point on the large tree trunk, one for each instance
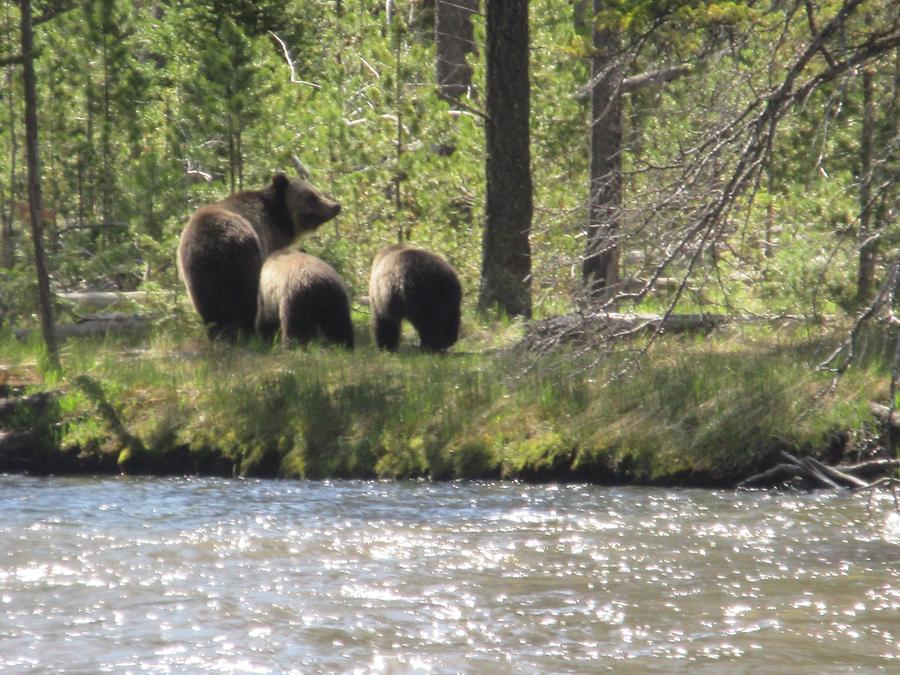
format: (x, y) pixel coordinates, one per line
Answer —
(36, 208)
(454, 39)
(506, 251)
(601, 256)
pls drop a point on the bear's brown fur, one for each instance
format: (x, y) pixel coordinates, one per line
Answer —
(302, 295)
(223, 247)
(409, 283)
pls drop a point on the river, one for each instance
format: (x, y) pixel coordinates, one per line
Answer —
(211, 575)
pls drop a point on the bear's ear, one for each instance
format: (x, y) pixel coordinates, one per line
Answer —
(280, 181)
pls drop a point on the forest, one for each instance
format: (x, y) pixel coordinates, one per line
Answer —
(675, 223)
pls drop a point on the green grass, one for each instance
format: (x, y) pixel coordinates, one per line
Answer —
(695, 411)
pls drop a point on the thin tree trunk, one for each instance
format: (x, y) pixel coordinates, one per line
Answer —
(601, 256)
(768, 248)
(9, 257)
(153, 226)
(454, 39)
(868, 247)
(239, 157)
(89, 155)
(506, 251)
(106, 133)
(232, 172)
(34, 187)
(7, 241)
(81, 189)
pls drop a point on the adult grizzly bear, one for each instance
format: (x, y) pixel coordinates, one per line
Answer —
(302, 295)
(409, 283)
(223, 246)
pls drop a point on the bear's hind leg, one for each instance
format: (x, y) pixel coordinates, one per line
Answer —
(387, 333)
(431, 339)
(338, 328)
(439, 331)
(297, 325)
(266, 327)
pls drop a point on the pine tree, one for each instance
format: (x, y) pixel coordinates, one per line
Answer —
(506, 250)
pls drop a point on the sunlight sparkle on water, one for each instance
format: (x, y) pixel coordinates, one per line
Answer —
(245, 576)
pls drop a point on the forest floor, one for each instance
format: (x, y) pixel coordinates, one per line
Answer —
(696, 410)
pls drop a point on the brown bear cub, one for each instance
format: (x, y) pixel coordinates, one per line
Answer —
(223, 247)
(302, 295)
(409, 283)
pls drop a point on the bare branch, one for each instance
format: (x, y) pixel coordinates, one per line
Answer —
(811, 20)
(869, 50)
(636, 82)
(848, 346)
(290, 62)
(302, 171)
(656, 76)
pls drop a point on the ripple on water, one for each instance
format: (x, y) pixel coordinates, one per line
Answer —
(217, 575)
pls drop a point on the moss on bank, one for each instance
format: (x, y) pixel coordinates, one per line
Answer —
(695, 412)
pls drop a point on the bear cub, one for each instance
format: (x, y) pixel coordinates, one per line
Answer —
(302, 295)
(223, 247)
(409, 283)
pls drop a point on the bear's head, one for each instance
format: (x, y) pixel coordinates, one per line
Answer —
(306, 206)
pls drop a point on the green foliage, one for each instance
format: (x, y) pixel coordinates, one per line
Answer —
(150, 110)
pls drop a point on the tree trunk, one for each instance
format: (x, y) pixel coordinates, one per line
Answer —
(106, 134)
(868, 238)
(89, 158)
(8, 238)
(34, 187)
(239, 156)
(454, 39)
(600, 268)
(506, 251)
(232, 170)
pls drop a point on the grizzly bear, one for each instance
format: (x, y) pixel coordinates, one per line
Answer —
(409, 283)
(223, 247)
(302, 295)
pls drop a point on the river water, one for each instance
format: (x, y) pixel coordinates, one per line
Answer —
(209, 575)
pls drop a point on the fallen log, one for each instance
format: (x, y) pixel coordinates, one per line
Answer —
(101, 299)
(97, 325)
(780, 473)
(830, 471)
(873, 467)
(886, 481)
(547, 333)
(812, 470)
(818, 473)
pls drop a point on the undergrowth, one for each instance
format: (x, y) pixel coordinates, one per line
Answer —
(693, 412)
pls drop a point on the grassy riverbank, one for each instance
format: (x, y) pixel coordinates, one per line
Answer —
(697, 411)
